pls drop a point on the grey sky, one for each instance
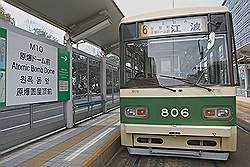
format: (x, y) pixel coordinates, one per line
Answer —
(21, 18)
(134, 7)
(128, 7)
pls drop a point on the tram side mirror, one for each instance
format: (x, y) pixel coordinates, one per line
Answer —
(211, 40)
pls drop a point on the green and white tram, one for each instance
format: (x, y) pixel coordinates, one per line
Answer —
(178, 78)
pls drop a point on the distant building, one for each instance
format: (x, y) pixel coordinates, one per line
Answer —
(240, 10)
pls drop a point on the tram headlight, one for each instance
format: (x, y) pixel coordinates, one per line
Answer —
(141, 112)
(223, 113)
(216, 113)
(130, 112)
(136, 112)
(209, 113)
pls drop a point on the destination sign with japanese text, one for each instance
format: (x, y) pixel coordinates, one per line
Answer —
(173, 26)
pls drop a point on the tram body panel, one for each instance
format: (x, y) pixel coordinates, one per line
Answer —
(128, 138)
(189, 127)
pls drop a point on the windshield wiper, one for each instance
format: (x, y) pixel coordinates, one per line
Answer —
(186, 81)
(173, 90)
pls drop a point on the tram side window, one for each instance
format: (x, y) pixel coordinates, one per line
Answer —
(129, 31)
(218, 63)
(218, 23)
(134, 56)
(235, 66)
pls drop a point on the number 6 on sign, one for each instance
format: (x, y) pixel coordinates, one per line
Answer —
(184, 112)
(144, 30)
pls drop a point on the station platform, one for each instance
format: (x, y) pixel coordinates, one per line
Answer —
(243, 112)
(88, 144)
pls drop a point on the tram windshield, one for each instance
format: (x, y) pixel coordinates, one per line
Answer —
(188, 58)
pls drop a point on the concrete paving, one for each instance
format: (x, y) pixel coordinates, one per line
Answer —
(72, 147)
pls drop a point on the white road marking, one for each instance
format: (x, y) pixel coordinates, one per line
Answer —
(89, 144)
(25, 108)
(14, 127)
(18, 126)
(45, 119)
(18, 115)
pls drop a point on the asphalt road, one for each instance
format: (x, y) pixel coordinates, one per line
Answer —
(238, 159)
(18, 117)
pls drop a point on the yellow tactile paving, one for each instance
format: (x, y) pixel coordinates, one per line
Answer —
(45, 156)
(243, 104)
(243, 111)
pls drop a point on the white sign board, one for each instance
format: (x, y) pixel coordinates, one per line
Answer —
(31, 71)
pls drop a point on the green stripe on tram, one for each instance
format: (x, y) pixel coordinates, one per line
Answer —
(195, 106)
(3, 33)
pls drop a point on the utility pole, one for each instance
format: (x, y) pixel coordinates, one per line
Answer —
(173, 5)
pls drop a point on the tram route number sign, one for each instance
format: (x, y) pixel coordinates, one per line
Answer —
(173, 26)
(31, 71)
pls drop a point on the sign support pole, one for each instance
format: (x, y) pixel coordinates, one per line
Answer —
(247, 84)
(68, 105)
(103, 84)
(112, 84)
(31, 115)
(88, 94)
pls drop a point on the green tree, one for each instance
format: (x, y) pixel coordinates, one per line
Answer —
(39, 30)
(6, 16)
(43, 33)
(113, 59)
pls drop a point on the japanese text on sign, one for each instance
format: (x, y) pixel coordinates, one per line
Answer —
(173, 26)
(32, 71)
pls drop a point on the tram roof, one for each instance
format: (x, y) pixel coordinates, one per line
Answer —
(175, 12)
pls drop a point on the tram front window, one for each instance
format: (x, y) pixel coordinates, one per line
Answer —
(188, 58)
